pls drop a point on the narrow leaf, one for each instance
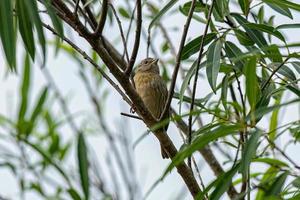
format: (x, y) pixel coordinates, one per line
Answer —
(162, 12)
(7, 32)
(194, 45)
(83, 165)
(213, 63)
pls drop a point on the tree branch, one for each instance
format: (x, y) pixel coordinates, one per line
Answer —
(141, 109)
(196, 74)
(99, 29)
(178, 60)
(137, 38)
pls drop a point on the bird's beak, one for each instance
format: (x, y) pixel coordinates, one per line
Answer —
(156, 61)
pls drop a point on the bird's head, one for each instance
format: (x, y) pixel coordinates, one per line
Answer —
(148, 65)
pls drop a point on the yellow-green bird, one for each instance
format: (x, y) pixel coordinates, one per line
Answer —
(152, 89)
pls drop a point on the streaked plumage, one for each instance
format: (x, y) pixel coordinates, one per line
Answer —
(151, 88)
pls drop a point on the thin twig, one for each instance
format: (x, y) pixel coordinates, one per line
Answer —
(76, 7)
(178, 60)
(130, 23)
(137, 38)
(89, 59)
(100, 26)
(274, 72)
(196, 75)
(131, 116)
(121, 30)
(282, 153)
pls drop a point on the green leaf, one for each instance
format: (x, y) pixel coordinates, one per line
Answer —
(124, 13)
(162, 12)
(284, 3)
(249, 152)
(288, 26)
(266, 182)
(7, 32)
(243, 38)
(251, 82)
(194, 45)
(34, 16)
(224, 182)
(287, 72)
(201, 141)
(213, 63)
(255, 35)
(261, 15)
(55, 20)
(199, 7)
(186, 81)
(224, 91)
(284, 10)
(221, 6)
(39, 106)
(245, 6)
(265, 28)
(271, 161)
(276, 187)
(262, 111)
(25, 27)
(74, 194)
(25, 89)
(234, 54)
(274, 119)
(83, 165)
(296, 66)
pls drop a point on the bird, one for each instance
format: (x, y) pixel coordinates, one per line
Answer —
(152, 89)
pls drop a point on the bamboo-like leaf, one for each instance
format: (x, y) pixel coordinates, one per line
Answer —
(39, 106)
(34, 16)
(271, 161)
(83, 165)
(201, 141)
(213, 63)
(255, 35)
(25, 27)
(55, 20)
(224, 183)
(224, 91)
(233, 53)
(25, 89)
(245, 6)
(249, 152)
(251, 82)
(265, 28)
(288, 26)
(194, 45)
(7, 32)
(284, 3)
(74, 194)
(243, 38)
(262, 111)
(276, 187)
(165, 9)
(284, 10)
(274, 119)
(266, 181)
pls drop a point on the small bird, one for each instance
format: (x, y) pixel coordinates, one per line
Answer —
(152, 89)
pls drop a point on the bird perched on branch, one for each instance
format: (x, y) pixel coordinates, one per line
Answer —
(152, 89)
